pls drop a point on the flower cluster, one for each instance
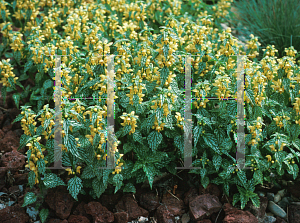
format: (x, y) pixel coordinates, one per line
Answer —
(222, 83)
(47, 115)
(135, 90)
(6, 73)
(256, 130)
(96, 127)
(180, 120)
(253, 46)
(4, 10)
(16, 41)
(35, 156)
(279, 120)
(129, 119)
(27, 121)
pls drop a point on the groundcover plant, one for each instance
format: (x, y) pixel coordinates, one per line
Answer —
(150, 40)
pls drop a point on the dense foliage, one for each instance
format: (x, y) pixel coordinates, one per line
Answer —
(152, 39)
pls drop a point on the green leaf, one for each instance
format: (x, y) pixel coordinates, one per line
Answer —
(137, 136)
(164, 74)
(16, 98)
(18, 118)
(14, 4)
(129, 188)
(17, 55)
(71, 145)
(296, 143)
(98, 187)
(118, 181)
(29, 198)
(166, 50)
(126, 130)
(244, 200)
(255, 201)
(89, 84)
(295, 171)
(229, 127)
(217, 160)
(205, 182)
(250, 95)
(105, 175)
(127, 147)
(48, 84)
(3, 94)
(242, 177)
(258, 176)
(203, 172)
(226, 188)
(3, 15)
(220, 135)
(39, 130)
(179, 143)
(88, 172)
(150, 172)
(28, 65)
(196, 133)
(51, 180)
(150, 121)
(44, 215)
(38, 77)
(138, 165)
(170, 134)
(12, 83)
(75, 186)
(211, 141)
(154, 139)
(236, 198)
(41, 166)
(31, 178)
(294, 131)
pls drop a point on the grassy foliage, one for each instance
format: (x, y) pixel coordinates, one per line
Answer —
(275, 22)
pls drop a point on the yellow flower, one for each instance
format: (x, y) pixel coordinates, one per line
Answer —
(269, 158)
(78, 169)
(69, 171)
(272, 147)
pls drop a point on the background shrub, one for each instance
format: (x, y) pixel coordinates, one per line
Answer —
(274, 22)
